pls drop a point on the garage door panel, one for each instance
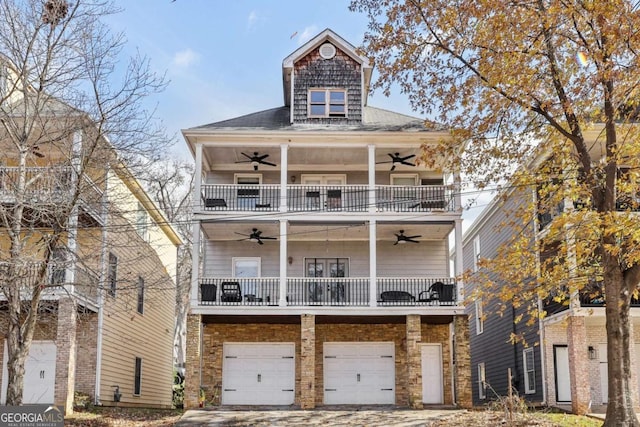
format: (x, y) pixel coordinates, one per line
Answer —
(256, 374)
(359, 373)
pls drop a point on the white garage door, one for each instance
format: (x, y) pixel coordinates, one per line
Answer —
(258, 374)
(359, 373)
(39, 373)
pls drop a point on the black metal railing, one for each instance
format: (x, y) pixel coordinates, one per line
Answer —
(416, 291)
(332, 292)
(419, 198)
(239, 291)
(346, 198)
(328, 198)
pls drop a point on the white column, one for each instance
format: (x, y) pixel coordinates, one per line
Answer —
(195, 266)
(372, 177)
(373, 266)
(197, 181)
(283, 263)
(284, 173)
(458, 260)
(457, 188)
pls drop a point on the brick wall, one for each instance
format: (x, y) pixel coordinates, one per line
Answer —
(214, 335)
(192, 361)
(463, 384)
(65, 354)
(86, 353)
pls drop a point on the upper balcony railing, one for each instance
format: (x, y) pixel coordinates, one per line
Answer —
(48, 185)
(589, 296)
(85, 285)
(325, 291)
(328, 198)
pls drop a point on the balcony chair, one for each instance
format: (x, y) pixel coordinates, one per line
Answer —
(231, 292)
(396, 296)
(215, 203)
(438, 291)
(334, 199)
(208, 292)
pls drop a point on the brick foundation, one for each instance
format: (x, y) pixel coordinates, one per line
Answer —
(309, 389)
(192, 362)
(66, 354)
(462, 370)
(414, 361)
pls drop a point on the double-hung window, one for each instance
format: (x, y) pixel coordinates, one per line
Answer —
(112, 275)
(140, 295)
(529, 371)
(482, 386)
(137, 377)
(479, 317)
(327, 103)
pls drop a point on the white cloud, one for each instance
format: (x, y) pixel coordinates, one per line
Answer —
(253, 19)
(185, 58)
(306, 34)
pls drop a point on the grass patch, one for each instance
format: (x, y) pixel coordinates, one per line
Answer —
(568, 420)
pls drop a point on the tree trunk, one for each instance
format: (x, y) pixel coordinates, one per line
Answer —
(620, 410)
(17, 354)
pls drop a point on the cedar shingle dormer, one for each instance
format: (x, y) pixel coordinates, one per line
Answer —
(326, 74)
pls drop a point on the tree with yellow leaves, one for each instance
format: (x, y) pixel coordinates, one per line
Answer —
(551, 86)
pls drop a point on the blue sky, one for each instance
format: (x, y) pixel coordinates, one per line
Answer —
(224, 58)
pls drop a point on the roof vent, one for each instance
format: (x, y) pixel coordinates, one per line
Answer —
(327, 51)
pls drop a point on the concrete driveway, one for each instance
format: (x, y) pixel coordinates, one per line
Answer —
(325, 416)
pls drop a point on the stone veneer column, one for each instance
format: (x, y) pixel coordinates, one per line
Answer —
(307, 361)
(192, 361)
(578, 355)
(66, 354)
(414, 361)
(462, 368)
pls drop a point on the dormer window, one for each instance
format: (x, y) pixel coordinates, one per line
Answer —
(327, 103)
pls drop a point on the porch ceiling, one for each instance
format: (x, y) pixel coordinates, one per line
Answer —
(305, 158)
(335, 231)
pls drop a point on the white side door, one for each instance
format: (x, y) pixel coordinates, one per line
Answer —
(563, 382)
(432, 374)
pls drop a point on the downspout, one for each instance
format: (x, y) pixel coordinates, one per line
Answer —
(101, 288)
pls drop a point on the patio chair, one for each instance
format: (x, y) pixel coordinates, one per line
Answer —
(231, 292)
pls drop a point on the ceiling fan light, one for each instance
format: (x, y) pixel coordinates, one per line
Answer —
(402, 242)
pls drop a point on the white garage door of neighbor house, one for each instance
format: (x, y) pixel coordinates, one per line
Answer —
(258, 374)
(432, 374)
(604, 370)
(359, 373)
(39, 373)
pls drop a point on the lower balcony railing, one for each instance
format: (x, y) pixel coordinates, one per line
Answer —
(334, 292)
(85, 285)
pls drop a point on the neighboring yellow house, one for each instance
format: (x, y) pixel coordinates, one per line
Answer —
(107, 319)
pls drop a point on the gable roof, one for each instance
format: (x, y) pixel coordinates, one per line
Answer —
(374, 119)
(325, 36)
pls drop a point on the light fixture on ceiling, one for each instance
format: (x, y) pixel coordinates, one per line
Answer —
(255, 165)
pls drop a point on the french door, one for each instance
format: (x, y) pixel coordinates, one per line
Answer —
(327, 291)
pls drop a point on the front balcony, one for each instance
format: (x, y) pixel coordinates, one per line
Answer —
(48, 189)
(339, 292)
(328, 198)
(591, 296)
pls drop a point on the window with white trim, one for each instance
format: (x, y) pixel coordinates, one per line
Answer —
(529, 371)
(140, 295)
(482, 386)
(327, 103)
(479, 317)
(142, 219)
(137, 377)
(476, 252)
(112, 275)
